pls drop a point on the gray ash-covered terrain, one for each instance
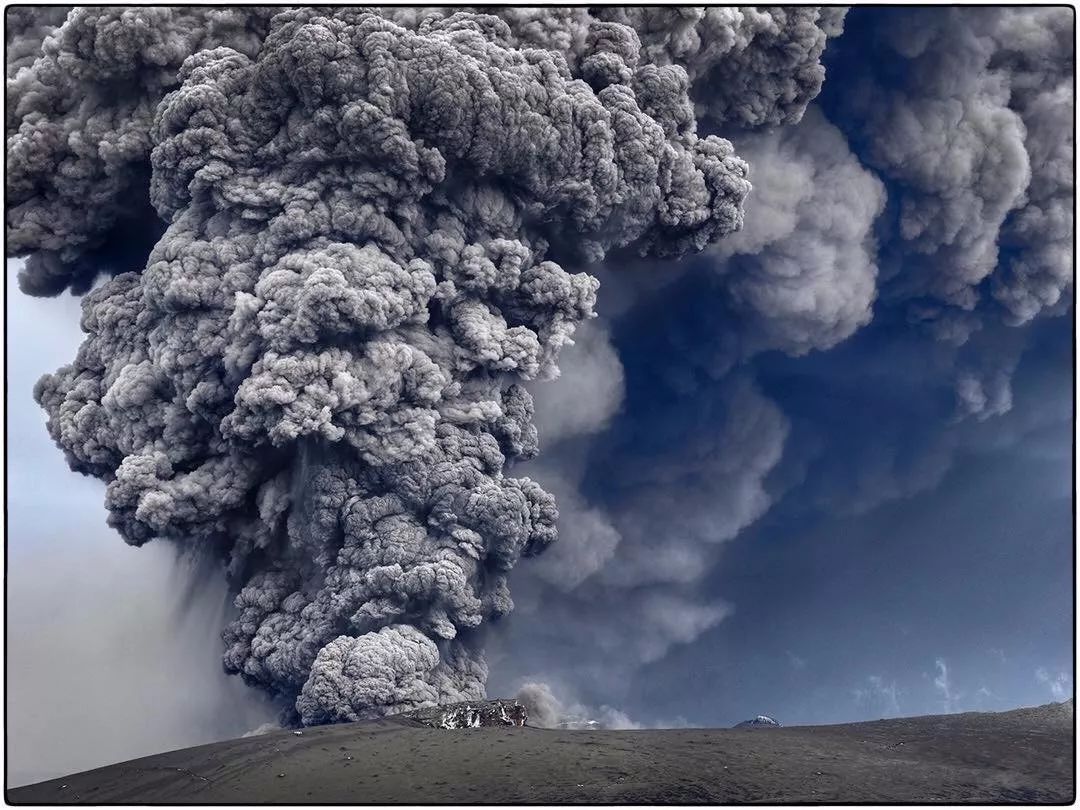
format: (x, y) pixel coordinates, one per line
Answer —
(1020, 756)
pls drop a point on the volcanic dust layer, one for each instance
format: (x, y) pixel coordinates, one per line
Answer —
(1025, 755)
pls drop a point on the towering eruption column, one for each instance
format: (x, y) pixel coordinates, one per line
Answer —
(317, 373)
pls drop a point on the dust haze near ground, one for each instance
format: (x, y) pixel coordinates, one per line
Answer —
(163, 614)
(1025, 755)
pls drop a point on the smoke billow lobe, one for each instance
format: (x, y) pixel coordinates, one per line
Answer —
(750, 67)
(81, 95)
(318, 372)
(968, 120)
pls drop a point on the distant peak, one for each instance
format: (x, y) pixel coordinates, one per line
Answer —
(760, 720)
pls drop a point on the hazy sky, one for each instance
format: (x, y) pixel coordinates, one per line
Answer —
(781, 491)
(110, 656)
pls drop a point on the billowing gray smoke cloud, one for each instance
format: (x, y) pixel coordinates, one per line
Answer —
(80, 104)
(318, 371)
(25, 28)
(749, 67)
(802, 274)
(80, 114)
(973, 133)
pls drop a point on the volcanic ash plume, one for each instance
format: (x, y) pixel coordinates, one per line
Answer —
(317, 374)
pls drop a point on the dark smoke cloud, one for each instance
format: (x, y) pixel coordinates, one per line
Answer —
(25, 28)
(966, 115)
(749, 67)
(317, 373)
(81, 100)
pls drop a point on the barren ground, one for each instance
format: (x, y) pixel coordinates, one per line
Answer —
(1026, 755)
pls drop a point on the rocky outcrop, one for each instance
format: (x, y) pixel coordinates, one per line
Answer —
(472, 714)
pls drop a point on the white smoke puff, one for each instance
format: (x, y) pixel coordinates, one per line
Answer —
(545, 710)
(974, 141)
(587, 393)
(617, 720)
(802, 274)
(263, 728)
(318, 372)
(983, 398)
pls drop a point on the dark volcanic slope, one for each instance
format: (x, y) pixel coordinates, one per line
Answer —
(1023, 756)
